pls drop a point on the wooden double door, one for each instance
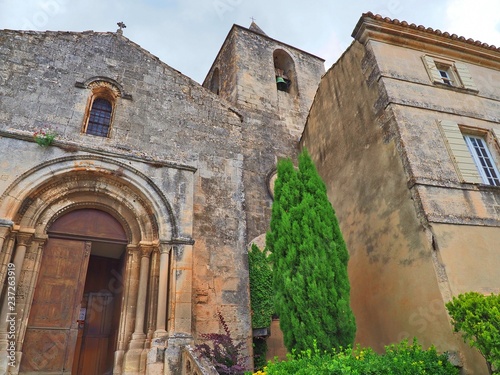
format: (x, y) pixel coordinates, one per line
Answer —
(73, 320)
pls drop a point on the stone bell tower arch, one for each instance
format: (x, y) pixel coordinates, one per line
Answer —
(157, 268)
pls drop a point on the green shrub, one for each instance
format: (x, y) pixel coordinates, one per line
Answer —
(477, 317)
(398, 359)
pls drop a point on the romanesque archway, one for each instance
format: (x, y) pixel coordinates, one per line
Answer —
(61, 190)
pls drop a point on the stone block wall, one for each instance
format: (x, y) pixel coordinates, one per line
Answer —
(166, 123)
(272, 120)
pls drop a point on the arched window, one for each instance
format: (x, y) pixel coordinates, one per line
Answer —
(100, 117)
(100, 108)
(284, 68)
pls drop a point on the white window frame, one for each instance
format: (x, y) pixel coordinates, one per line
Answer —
(483, 159)
(456, 73)
(447, 75)
(465, 159)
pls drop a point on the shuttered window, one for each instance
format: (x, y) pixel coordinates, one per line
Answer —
(483, 159)
(450, 73)
(470, 154)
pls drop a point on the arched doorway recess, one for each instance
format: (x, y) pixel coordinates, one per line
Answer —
(42, 198)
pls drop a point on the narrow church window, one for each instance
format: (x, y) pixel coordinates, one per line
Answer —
(100, 117)
(101, 106)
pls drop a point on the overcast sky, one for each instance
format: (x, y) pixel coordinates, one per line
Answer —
(187, 34)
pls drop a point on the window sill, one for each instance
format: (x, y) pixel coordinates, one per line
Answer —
(456, 88)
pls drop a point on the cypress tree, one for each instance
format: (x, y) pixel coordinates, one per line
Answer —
(309, 259)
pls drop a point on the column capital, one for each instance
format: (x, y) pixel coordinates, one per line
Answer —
(132, 249)
(6, 227)
(165, 247)
(25, 236)
(146, 248)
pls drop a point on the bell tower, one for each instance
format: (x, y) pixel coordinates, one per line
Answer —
(272, 85)
(256, 72)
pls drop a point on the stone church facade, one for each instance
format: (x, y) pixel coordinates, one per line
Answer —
(122, 239)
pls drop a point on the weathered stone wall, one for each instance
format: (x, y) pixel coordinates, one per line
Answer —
(171, 123)
(353, 134)
(272, 120)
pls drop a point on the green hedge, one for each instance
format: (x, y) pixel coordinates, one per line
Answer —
(398, 359)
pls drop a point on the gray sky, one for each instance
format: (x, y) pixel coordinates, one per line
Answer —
(188, 34)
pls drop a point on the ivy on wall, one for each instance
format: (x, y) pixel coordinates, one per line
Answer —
(261, 289)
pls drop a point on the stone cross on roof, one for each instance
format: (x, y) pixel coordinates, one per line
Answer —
(121, 26)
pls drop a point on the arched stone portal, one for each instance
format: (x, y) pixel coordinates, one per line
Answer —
(55, 193)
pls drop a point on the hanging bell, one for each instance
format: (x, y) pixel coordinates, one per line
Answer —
(281, 83)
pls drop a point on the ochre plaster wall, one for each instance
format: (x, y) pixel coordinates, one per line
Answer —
(471, 256)
(353, 136)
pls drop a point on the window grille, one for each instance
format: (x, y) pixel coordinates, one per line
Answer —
(100, 118)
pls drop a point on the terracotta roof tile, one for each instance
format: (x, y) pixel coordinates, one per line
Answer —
(430, 30)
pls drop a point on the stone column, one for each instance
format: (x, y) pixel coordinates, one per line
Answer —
(139, 336)
(135, 358)
(26, 290)
(23, 238)
(181, 280)
(5, 250)
(31, 265)
(153, 295)
(161, 314)
(125, 315)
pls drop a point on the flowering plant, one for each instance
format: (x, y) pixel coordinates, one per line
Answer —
(44, 137)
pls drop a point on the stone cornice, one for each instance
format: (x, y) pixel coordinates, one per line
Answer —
(393, 31)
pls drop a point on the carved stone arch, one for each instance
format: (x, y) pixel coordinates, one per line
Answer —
(89, 189)
(125, 217)
(104, 82)
(56, 184)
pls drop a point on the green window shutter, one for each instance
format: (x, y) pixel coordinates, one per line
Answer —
(465, 76)
(459, 152)
(432, 69)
